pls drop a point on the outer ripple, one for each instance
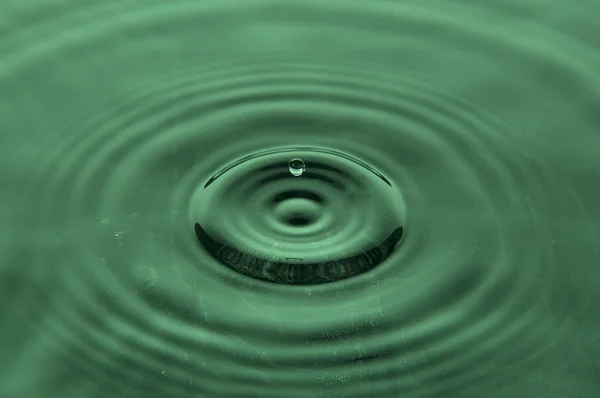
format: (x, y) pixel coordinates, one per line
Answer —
(117, 111)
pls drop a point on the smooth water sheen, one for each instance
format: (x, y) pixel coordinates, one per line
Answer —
(442, 239)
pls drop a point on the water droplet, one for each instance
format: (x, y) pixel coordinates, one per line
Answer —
(296, 167)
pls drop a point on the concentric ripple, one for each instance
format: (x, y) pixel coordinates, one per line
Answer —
(441, 239)
(340, 220)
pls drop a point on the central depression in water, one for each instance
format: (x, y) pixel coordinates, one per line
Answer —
(339, 220)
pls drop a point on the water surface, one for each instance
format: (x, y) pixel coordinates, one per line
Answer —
(469, 126)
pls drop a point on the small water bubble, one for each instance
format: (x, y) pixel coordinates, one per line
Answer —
(296, 167)
(119, 237)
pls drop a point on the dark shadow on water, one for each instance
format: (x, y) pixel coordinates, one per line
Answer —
(297, 272)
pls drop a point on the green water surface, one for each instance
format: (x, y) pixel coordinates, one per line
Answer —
(484, 116)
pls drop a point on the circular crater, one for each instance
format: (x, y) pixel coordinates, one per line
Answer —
(337, 219)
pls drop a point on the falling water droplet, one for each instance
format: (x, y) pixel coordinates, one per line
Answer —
(296, 167)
